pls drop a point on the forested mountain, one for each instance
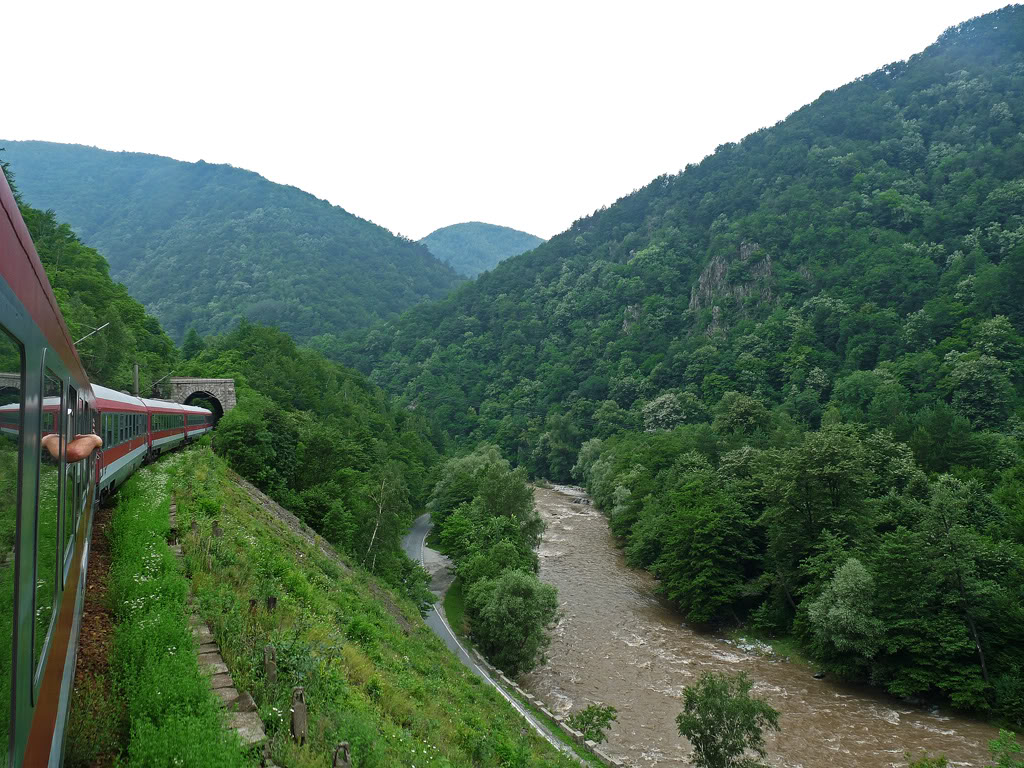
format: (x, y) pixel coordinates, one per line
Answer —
(89, 298)
(475, 247)
(794, 370)
(231, 243)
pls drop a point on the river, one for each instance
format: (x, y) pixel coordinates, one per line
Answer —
(618, 644)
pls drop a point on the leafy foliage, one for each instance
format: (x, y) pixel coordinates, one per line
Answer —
(325, 443)
(232, 244)
(593, 720)
(1006, 752)
(474, 247)
(509, 615)
(723, 721)
(489, 526)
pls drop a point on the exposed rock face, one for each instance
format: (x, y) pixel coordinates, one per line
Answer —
(629, 317)
(745, 273)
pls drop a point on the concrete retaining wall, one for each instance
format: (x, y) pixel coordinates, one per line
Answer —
(567, 730)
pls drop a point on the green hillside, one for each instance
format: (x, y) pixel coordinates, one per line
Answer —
(878, 226)
(324, 442)
(791, 374)
(231, 243)
(474, 247)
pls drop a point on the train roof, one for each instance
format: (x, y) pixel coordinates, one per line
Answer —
(106, 397)
(170, 405)
(164, 405)
(48, 402)
(111, 397)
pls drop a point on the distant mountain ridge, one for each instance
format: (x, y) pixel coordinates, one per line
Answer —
(203, 245)
(474, 247)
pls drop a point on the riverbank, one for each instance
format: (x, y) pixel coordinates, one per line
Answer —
(617, 643)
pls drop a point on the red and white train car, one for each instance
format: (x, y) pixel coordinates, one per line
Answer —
(138, 429)
(198, 421)
(166, 425)
(123, 427)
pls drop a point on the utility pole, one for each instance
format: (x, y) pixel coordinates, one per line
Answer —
(135, 379)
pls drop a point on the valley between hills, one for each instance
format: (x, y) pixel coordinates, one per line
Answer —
(764, 415)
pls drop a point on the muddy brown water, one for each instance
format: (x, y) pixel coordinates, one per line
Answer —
(618, 644)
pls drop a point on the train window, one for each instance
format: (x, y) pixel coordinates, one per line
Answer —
(12, 365)
(47, 515)
(72, 472)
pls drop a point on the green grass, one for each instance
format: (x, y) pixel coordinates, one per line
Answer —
(455, 609)
(555, 728)
(172, 715)
(373, 673)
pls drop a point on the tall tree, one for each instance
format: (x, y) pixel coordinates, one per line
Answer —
(724, 722)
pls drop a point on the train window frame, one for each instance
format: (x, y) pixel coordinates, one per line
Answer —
(41, 654)
(19, 483)
(72, 483)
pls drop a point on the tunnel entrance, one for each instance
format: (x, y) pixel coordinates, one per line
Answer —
(208, 401)
(216, 394)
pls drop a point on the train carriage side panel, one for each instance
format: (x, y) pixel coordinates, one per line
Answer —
(44, 502)
(166, 425)
(198, 421)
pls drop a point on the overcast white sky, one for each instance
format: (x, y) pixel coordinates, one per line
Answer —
(423, 114)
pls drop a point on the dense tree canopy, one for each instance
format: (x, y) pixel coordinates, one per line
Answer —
(489, 526)
(866, 251)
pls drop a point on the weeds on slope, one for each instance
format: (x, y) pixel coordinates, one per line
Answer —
(380, 681)
(173, 717)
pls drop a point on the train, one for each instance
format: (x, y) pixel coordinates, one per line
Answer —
(53, 472)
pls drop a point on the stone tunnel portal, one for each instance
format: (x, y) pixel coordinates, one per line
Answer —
(219, 393)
